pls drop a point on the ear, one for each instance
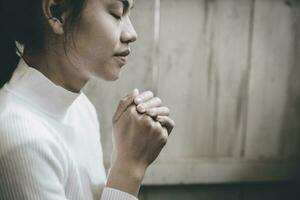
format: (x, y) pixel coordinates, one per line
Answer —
(54, 11)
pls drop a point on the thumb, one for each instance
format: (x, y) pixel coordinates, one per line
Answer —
(124, 104)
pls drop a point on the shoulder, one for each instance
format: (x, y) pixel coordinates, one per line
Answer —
(19, 126)
(88, 104)
(87, 108)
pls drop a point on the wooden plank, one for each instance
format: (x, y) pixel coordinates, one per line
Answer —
(211, 66)
(185, 47)
(221, 170)
(253, 191)
(230, 55)
(191, 192)
(138, 73)
(272, 58)
(290, 138)
(272, 191)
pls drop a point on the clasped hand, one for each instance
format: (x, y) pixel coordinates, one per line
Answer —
(141, 126)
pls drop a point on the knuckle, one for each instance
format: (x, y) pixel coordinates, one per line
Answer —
(131, 110)
(148, 122)
(156, 127)
(122, 102)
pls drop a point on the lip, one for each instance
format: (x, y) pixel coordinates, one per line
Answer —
(122, 59)
(123, 53)
(122, 56)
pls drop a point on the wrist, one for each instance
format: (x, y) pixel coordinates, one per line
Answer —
(132, 169)
(126, 176)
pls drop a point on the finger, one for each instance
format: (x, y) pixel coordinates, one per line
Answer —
(162, 111)
(124, 104)
(145, 96)
(165, 133)
(167, 122)
(154, 102)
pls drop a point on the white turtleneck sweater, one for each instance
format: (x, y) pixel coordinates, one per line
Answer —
(49, 142)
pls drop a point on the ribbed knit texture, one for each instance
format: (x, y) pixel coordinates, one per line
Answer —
(49, 142)
(111, 194)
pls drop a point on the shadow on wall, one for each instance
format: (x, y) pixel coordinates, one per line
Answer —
(249, 191)
(290, 123)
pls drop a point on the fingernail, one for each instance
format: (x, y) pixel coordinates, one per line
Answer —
(135, 91)
(138, 100)
(141, 108)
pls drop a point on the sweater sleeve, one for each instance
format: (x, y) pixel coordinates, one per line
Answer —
(113, 194)
(32, 171)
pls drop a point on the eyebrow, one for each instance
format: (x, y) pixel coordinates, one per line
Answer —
(126, 5)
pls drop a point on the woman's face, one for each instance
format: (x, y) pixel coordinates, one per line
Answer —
(102, 38)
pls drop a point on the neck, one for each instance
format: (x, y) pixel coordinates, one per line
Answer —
(57, 67)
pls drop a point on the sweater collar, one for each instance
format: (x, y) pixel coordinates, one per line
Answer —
(38, 90)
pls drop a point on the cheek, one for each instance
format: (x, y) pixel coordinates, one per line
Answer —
(97, 36)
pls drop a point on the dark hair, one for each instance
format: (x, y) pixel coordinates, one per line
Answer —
(22, 21)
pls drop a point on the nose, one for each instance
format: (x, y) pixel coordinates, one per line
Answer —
(128, 34)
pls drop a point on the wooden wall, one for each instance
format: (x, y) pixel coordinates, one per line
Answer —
(261, 191)
(230, 72)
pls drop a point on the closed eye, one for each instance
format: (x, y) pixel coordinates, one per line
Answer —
(116, 16)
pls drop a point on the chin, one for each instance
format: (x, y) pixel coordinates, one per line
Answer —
(110, 77)
(110, 72)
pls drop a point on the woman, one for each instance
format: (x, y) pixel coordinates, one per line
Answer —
(49, 132)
